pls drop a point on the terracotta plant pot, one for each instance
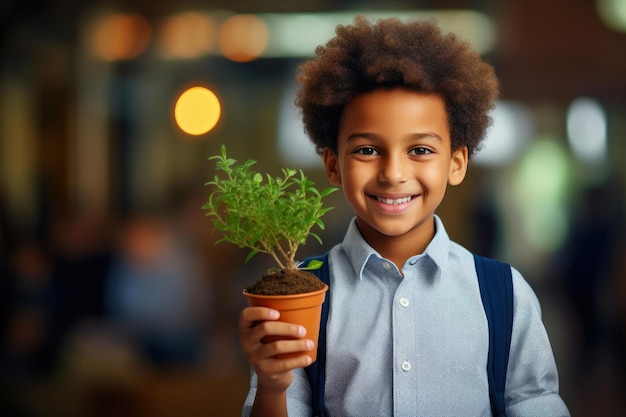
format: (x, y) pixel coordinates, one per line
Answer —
(303, 309)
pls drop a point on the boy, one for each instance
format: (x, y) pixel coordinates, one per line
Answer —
(396, 110)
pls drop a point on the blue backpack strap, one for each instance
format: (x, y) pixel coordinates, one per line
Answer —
(316, 371)
(496, 291)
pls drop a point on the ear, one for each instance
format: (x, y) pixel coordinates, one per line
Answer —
(458, 166)
(332, 167)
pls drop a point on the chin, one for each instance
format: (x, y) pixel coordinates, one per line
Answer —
(391, 230)
(399, 227)
(394, 232)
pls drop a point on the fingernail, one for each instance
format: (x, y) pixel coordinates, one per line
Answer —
(301, 331)
(310, 345)
(274, 314)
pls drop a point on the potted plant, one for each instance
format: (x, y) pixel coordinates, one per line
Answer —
(272, 215)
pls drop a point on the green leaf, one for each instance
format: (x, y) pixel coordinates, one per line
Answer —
(312, 265)
(316, 237)
(250, 255)
(328, 191)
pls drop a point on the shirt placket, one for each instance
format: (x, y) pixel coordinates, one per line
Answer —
(403, 330)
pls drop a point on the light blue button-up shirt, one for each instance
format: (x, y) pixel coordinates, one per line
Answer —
(415, 343)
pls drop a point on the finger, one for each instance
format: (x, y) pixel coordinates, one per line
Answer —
(265, 333)
(250, 316)
(254, 333)
(275, 330)
(274, 366)
(281, 347)
(258, 341)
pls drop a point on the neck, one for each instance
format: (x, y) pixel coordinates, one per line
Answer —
(399, 249)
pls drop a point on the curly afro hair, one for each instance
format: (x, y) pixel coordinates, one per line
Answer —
(415, 55)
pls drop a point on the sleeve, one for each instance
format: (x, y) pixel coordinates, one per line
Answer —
(532, 384)
(298, 396)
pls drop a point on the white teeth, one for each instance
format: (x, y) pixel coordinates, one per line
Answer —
(396, 201)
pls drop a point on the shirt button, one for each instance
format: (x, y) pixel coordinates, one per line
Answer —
(404, 302)
(413, 261)
(386, 266)
(406, 366)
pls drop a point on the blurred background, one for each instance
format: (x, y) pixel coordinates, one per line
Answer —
(114, 300)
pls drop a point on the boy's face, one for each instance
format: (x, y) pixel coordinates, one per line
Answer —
(394, 161)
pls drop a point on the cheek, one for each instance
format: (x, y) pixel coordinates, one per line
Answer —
(353, 181)
(350, 183)
(434, 177)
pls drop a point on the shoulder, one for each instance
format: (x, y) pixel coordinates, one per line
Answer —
(524, 296)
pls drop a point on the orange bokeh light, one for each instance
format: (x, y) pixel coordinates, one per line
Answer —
(186, 35)
(243, 37)
(119, 37)
(197, 110)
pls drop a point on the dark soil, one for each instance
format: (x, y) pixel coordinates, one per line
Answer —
(286, 282)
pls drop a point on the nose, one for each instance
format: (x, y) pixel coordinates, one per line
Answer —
(394, 169)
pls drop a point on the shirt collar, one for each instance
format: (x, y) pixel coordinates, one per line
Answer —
(356, 248)
(359, 251)
(438, 250)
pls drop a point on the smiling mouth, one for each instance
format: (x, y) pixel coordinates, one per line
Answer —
(396, 201)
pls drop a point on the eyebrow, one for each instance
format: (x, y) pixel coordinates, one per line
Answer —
(375, 137)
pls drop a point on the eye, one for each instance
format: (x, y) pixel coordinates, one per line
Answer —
(366, 151)
(420, 150)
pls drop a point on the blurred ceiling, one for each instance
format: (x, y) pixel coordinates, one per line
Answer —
(557, 49)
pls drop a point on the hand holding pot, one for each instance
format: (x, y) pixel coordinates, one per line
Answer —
(259, 324)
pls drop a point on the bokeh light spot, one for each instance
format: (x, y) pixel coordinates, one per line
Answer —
(513, 128)
(119, 37)
(197, 111)
(186, 35)
(541, 187)
(586, 130)
(243, 37)
(613, 13)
